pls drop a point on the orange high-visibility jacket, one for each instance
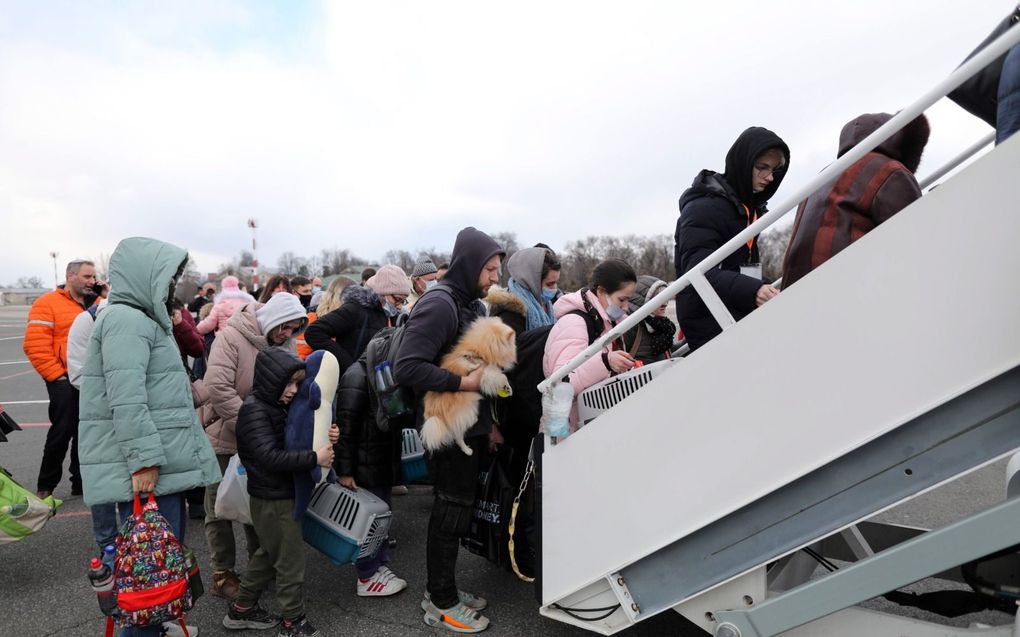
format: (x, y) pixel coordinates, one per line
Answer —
(49, 321)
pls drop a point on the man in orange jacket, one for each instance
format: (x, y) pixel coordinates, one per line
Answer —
(45, 344)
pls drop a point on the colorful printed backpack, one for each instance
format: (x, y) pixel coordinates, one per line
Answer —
(151, 570)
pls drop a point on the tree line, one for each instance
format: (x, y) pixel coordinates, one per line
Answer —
(648, 254)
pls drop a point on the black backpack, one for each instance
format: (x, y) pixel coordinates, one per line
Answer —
(524, 406)
(395, 404)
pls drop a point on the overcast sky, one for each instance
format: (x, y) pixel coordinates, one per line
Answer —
(379, 125)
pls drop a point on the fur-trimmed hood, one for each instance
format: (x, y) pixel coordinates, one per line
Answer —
(500, 300)
(906, 146)
(363, 296)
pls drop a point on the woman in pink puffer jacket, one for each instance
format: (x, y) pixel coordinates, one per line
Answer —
(613, 283)
(226, 303)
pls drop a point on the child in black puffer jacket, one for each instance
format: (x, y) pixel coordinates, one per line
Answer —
(271, 468)
(367, 458)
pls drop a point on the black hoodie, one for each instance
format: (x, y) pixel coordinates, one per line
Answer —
(711, 213)
(260, 425)
(440, 316)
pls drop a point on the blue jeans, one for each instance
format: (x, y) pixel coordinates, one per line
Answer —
(367, 568)
(104, 524)
(1008, 115)
(171, 506)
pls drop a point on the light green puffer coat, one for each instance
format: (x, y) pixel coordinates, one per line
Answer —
(136, 405)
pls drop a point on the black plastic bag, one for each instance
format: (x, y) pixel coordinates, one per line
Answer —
(488, 533)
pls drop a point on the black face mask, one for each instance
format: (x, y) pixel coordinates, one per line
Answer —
(171, 291)
(306, 300)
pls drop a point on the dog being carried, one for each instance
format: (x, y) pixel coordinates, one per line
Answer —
(448, 415)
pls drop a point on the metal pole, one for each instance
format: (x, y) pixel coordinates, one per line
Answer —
(956, 78)
(56, 282)
(254, 224)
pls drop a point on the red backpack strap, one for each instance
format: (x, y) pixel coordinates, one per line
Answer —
(183, 627)
(138, 502)
(109, 626)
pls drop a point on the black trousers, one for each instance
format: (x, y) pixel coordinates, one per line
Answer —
(455, 475)
(63, 414)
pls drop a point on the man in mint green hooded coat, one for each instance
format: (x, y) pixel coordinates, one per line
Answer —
(138, 428)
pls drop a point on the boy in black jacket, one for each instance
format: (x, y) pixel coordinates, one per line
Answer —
(271, 470)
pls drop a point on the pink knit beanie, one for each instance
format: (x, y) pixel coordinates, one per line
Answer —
(390, 279)
(230, 283)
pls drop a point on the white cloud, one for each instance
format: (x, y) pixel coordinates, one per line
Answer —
(389, 125)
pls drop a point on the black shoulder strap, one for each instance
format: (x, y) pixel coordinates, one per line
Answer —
(594, 328)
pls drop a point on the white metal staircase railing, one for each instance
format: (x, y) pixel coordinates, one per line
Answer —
(696, 276)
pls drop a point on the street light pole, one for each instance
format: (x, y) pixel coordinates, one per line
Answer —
(55, 281)
(254, 224)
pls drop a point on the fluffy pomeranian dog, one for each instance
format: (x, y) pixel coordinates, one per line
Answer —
(487, 343)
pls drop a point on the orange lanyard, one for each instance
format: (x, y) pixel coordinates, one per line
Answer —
(747, 211)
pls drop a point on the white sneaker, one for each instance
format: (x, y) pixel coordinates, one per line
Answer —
(173, 629)
(400, 489)
(382, 584)
(459, 619)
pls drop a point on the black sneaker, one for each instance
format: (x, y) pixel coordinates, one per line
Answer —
(256, 618)
(300, 628)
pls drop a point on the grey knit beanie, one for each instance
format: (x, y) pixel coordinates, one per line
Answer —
(422, 267)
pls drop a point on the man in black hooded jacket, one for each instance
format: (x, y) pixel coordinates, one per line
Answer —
(716, 208)
(434, 326)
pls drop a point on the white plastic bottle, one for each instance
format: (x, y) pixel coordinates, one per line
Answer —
(556, 409)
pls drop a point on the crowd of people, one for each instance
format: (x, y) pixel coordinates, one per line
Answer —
(153, 396)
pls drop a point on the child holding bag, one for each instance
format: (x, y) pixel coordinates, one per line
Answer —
(271, 469)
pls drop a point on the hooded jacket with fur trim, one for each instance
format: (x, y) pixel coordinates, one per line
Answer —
(865, 195)
(509, 307)
(347, 330)
(716, 208)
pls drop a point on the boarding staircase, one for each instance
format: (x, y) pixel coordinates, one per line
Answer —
(899, 370)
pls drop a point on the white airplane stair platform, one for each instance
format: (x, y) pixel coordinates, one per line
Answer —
(889, 370)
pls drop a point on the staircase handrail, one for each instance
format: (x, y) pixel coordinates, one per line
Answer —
(696, 275)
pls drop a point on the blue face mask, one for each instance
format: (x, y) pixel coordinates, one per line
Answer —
(550, 293)
(390, 309)
(615, 313)
(431, 284)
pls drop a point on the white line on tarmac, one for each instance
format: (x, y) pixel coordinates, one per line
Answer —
(11, 338)
(14, 363)
(23, 402)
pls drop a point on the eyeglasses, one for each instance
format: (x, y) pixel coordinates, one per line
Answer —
(764, 170)
(399, 300)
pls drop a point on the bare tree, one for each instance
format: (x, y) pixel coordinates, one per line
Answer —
(33, 282)
(579, 259)
(401, 258)
(103, 267)
(290, 264)
(335, 261)
(241, 267)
